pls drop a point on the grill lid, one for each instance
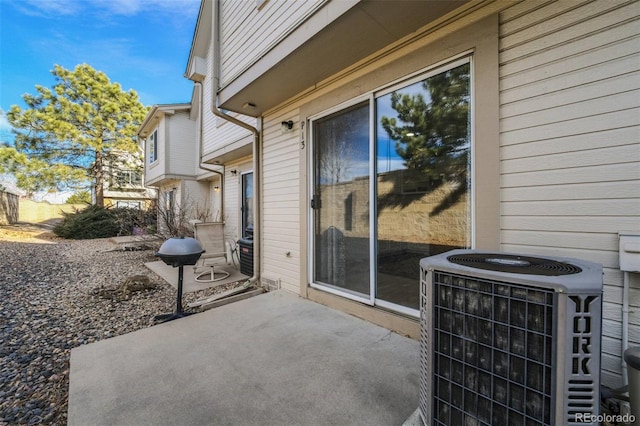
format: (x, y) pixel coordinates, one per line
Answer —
(180, 247)
(502, 262)
(180, 251)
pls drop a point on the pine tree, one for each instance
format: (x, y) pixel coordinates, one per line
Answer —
(77, 132)
(433, 135)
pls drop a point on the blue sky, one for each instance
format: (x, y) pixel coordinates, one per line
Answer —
(141, 44)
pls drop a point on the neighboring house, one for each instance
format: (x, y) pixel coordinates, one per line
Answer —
(308, 108)
(186, 192)
(125, 186)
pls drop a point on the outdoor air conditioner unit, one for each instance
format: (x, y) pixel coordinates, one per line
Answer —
(509, 339)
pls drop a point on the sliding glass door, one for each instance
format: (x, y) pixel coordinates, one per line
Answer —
(341, 201)
(417, 190)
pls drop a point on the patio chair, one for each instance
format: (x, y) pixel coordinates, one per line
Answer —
(210, 235)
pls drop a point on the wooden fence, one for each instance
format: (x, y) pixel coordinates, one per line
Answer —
(9, 211)
(42, 211)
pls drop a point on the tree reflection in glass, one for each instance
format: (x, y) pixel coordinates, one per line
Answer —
(423, 177)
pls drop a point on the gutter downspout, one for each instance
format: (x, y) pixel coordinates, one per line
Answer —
(202, 164)
(215, 40)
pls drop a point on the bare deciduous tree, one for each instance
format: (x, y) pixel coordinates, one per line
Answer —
(176, 217)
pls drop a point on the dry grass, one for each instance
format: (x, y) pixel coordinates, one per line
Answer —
(27, 233)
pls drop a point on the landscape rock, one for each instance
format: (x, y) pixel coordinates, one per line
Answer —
(60, 294)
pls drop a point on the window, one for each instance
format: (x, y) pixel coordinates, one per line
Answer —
(153, 146)
(126, 179)
(129, 204)
(391, 185)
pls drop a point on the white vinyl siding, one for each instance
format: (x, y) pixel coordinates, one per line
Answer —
(208, 119)
(181, 144)
(226, 134)
(281, 213)
(216, 132)
(177, 149)
(253, 32)
(195, 197)
(570, 142)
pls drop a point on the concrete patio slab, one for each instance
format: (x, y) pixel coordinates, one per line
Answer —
(189, 283)
(275, 359)
(130, 242)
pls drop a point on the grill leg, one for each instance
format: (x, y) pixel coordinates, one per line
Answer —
(179, 300)
(178, 313)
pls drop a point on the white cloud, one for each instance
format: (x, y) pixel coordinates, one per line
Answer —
(5, 129)
(132, 7)
(49, 7)
(4, 123)
(52, 8)
(122, 7)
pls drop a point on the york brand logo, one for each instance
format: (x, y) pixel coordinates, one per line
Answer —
(582, 334)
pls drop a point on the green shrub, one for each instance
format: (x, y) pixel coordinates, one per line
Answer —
(104, 222)
(92, 222)
(135, 221)
(80, 197)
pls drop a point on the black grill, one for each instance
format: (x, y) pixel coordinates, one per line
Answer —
(514, 264)
(178, 252)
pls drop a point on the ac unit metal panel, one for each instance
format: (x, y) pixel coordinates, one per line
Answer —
(506, 348)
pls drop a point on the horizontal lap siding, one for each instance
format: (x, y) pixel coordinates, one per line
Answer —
(570, 141)
(208, 119)
(254, 32)
(281, 213)
(217, 133)
(182, 149)
(226, 133)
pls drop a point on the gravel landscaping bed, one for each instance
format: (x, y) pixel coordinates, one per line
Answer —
(57, 295)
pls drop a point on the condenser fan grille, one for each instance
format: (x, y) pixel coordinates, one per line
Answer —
(492, 352)
(514, 264)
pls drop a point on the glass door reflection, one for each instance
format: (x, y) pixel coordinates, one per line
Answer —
(422, 179)
(341, 201)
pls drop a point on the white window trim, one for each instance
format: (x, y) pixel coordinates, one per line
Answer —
(241, 200)
(310, 218)
(153, 147)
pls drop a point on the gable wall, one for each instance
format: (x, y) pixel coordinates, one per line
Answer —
(570, 142)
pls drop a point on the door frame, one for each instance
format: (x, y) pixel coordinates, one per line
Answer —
(311, 266)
